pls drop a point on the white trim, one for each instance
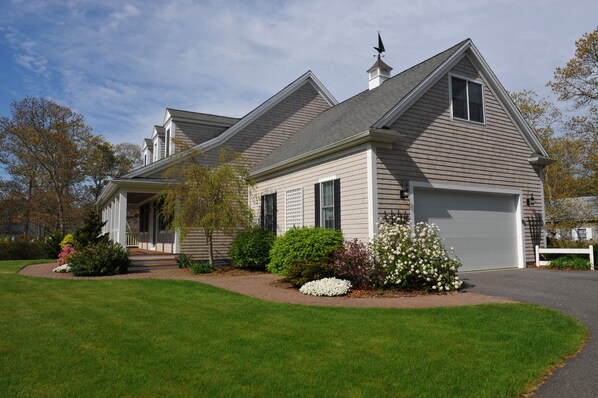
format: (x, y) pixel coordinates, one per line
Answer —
(248, 119)
(520, 235)
(325, 179)
(372, 176)
(493, 83)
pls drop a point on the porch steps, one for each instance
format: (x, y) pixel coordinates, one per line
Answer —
(154, 261)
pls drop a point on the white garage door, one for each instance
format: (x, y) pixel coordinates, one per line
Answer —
(481, 227)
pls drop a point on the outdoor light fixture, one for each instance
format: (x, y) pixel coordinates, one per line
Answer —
(404, 193)
(531, 201)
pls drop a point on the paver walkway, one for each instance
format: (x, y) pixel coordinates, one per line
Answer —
(263, 286)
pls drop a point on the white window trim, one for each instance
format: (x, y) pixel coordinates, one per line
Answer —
(325, 179)
(450, 94)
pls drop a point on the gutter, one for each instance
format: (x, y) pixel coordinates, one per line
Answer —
(382, 137)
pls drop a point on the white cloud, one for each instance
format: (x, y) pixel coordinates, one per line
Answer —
(121, 65)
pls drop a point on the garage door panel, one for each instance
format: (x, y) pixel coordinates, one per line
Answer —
(480, 227)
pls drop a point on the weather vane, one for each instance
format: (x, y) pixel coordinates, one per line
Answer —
(380, 47)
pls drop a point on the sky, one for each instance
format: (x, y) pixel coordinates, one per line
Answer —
(121, 63)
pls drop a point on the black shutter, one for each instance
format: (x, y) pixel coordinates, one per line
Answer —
(317, 204)
(262, 226)
(337, 204)
(274, 215)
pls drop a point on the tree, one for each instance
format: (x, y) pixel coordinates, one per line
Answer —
(211, 197)
(578, 80)
(46, 139)
(100, 163)
(128, 157)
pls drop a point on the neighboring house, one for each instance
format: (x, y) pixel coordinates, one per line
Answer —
(441, 141)
(575, 218)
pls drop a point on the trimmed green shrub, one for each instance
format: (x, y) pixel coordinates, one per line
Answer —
(570, 262)
(99, 260)
(200, 267)
(305, 243)
(251, 248)
(303, 271)
(23, 250)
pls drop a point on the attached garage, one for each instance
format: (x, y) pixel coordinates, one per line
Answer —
(482, 227)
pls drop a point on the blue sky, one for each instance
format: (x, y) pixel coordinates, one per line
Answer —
(121, 63)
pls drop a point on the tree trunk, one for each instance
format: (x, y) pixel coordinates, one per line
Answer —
(209, 240)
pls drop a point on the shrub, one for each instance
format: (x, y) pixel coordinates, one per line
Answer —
(90, 232)
(101, 259)
(200, 267)
(305, 243)
(355, 263)
(184, 261)
(251, 248)
(570, 262)
(52, 244)
(67, 251)
(22, 250)
(326, 287)
(570, 244)
(68, 239)
(415, 258)
(303, 271)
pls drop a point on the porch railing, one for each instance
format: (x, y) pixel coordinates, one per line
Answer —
(132, 239)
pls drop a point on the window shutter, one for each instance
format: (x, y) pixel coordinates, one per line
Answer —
(317, 204)
(274, 224)
(337, 204)
(262, 226)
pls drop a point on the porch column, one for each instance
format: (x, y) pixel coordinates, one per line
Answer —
(121, 218)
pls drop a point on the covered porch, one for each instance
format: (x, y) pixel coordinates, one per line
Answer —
(133, 216)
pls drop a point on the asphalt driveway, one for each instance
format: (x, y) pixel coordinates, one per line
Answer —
(573, 292)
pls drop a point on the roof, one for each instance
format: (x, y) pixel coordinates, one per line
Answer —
(307, 77)
(148, 143)
(379, 64)
(579, 208)
(201, 117)
(159, 131)
(357, 114)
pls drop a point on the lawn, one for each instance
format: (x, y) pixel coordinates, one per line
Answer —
(181, 338)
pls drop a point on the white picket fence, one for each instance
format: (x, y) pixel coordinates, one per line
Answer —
(540, 250)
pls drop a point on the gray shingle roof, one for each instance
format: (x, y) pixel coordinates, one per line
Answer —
(148, 143)
(202, 117)
(160, 130)
(355, 115)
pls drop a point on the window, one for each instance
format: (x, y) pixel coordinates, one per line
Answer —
(144, 218)
(163, 221)
(268, 212)
(327, 204)
(467, 100)
(156, 153)
(582, 234)
(293, 208)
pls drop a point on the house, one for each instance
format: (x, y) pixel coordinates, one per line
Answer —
(575, 218)
(441, 141)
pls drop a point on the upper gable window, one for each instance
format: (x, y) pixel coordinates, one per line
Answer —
(467, 100)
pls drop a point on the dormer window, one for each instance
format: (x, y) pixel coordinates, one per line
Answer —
(167, 143)
(467, 101)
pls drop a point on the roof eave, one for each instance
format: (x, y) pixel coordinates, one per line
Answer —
(540, 160)
(380, 137)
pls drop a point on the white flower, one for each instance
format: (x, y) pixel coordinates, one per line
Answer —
(326, 287)
(62, 268)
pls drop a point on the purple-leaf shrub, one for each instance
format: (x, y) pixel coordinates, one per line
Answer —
(355, 263)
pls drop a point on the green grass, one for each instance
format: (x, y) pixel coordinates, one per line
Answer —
(178, 338)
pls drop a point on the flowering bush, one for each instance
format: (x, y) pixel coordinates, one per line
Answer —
(355, 263)
(67, 250)
(62, 268)
(415, 257)
(326, 287)
(68, 239)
